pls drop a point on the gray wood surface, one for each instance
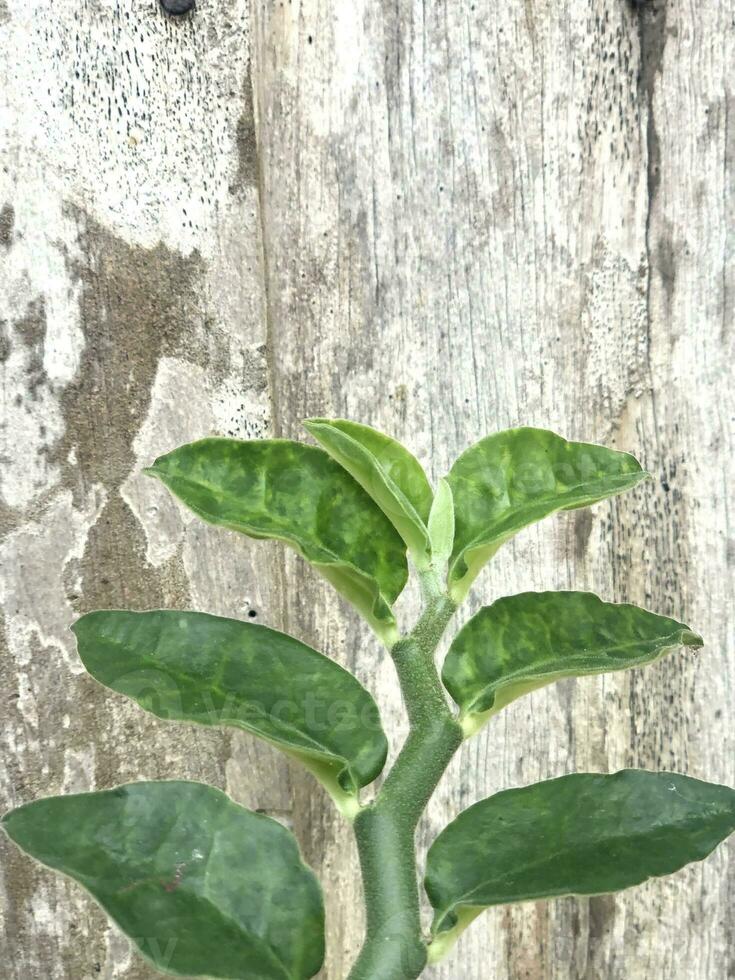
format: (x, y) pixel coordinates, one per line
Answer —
(441, 219)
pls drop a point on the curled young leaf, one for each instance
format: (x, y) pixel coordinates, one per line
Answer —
(583, 834)
(523, 642)
(387, 471)
(441, 524)
(189, 666)
(514, 478)
(291, 492)
(202, 886)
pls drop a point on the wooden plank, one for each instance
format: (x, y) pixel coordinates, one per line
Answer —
(483, 215)
(132, 320)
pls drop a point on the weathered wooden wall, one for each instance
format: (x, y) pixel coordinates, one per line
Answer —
(442, 219)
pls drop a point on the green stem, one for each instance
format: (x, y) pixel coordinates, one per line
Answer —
(394, 947)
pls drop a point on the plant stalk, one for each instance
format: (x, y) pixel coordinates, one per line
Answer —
(394, 947)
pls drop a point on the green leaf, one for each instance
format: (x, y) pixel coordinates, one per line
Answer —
(387, 471)
(189, 666)
(510, 480)
(287, 491)
(202, 886)
(441, 524)
(584, 834)
(523, 642)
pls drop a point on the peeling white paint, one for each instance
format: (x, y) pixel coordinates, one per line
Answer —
(79, 770)
(156, 164)
(38, 286)
(27, 705)
(45, 915)
(118, 954)
(35, 599)
(178, 400)
(184, 406)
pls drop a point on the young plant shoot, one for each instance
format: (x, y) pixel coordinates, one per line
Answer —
(220, 891)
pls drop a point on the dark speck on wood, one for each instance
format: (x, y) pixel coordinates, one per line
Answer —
(177, 7)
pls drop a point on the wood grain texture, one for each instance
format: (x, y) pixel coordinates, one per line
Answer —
(442, 219)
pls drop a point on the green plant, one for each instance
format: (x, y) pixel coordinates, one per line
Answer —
(218, 891)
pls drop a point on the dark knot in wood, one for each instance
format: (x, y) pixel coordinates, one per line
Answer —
(177, 7)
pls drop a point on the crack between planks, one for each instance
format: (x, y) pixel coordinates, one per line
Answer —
(652, 41)
(279, 559)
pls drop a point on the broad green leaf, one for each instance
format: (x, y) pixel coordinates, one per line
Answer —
(517, 477)
(387, 471)
(201, 886)
(189, 666)
(584, 834)
(523, 642)
(441, 524)
(287, 491)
